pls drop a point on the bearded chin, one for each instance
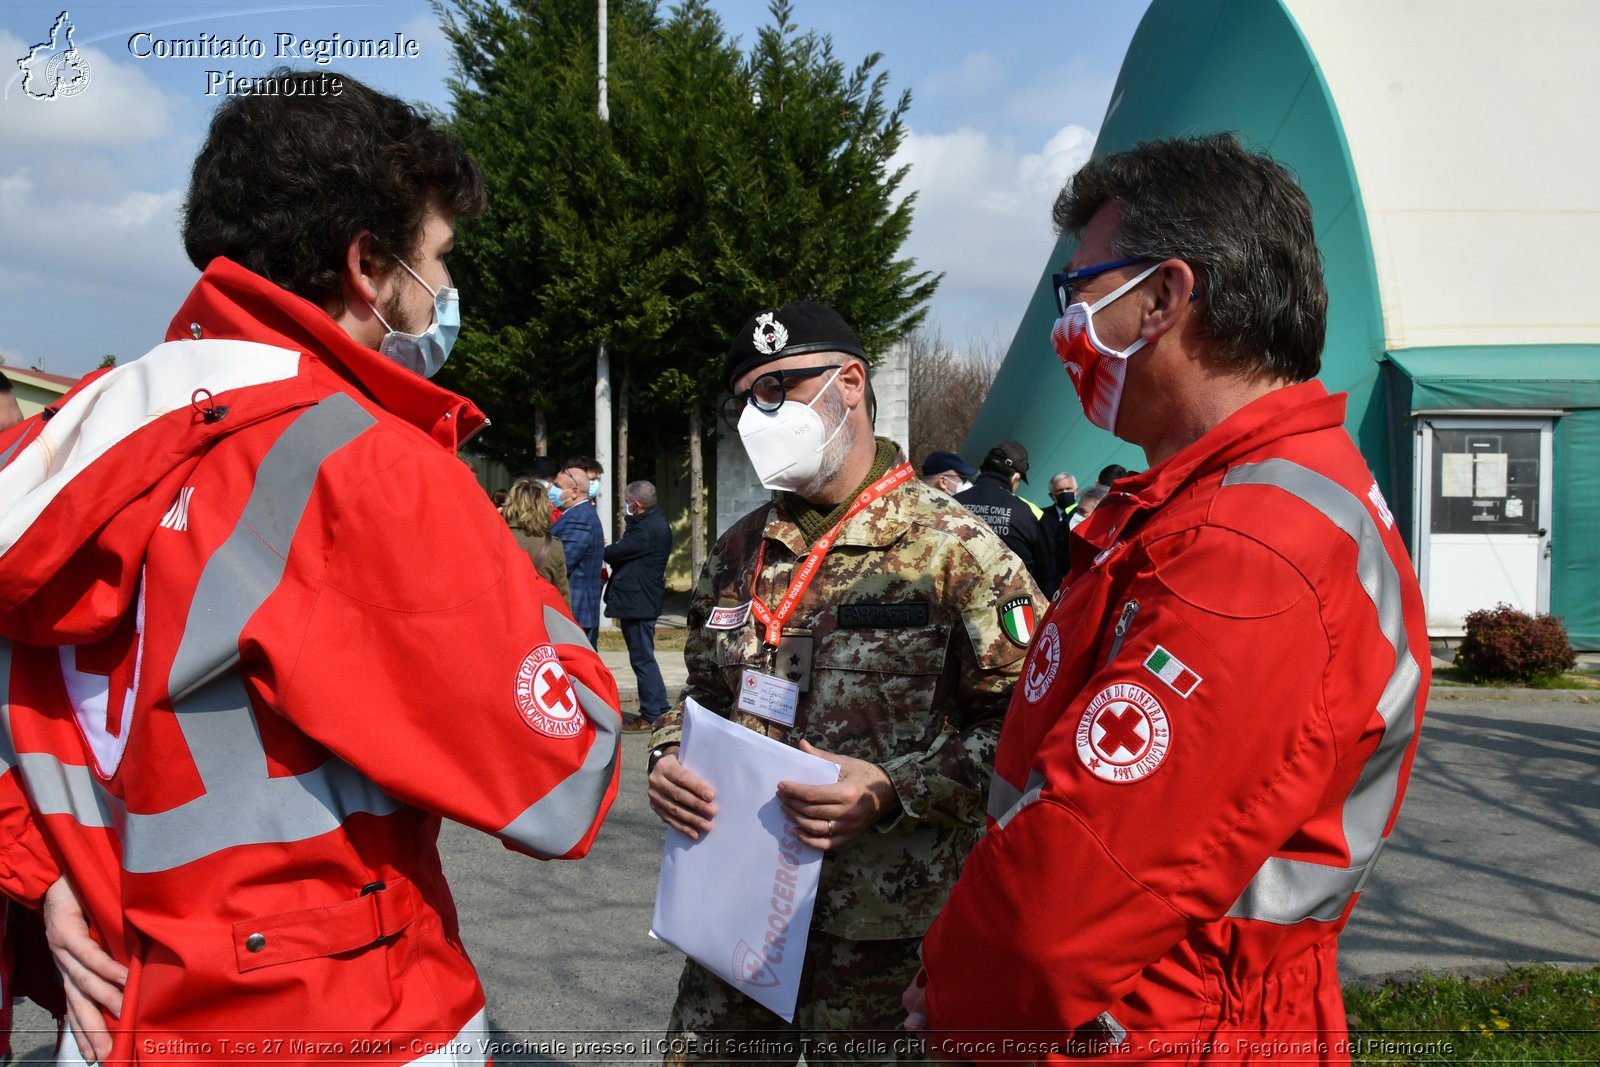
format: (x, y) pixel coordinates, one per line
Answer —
(836, 451)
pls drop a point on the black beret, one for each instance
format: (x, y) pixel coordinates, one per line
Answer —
(792, 330)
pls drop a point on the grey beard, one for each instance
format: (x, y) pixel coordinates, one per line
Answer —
(836, 451)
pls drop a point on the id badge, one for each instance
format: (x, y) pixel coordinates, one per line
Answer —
(772, 698)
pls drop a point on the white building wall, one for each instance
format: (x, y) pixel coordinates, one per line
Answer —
(1472, 127)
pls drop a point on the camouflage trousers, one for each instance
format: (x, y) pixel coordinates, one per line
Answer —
(848, 1011)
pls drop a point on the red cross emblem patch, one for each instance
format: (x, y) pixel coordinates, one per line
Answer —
(1124, 734)
(545, 696)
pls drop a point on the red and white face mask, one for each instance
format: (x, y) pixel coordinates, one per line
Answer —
(1097, 371)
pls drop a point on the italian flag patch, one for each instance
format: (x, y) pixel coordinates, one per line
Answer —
(1016, 619)
(1172, 670)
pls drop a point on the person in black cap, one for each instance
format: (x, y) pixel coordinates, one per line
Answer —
(993, 498)
(894, 660)
(948, 472)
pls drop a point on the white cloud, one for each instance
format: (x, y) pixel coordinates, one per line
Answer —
(90, 192)
(982, 216)
(129, 242)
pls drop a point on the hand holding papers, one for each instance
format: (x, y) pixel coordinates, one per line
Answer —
(739, 900)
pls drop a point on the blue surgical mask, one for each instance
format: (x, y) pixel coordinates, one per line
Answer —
(555, 494)
(594, 488)
(424, 353)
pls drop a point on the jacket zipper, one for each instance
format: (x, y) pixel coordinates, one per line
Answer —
(1129, 610)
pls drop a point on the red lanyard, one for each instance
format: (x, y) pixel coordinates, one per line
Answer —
(774, 621)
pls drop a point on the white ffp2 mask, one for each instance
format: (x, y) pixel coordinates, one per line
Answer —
(786, 446)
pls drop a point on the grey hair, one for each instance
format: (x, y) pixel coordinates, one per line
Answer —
(1241, 222)
(1056, 477)
(642, 493)
(1094, 492)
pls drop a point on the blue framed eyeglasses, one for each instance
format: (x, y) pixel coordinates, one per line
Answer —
(1064, 281)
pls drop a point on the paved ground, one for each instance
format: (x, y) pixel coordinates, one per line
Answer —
(1494, 862)
(1494, 859)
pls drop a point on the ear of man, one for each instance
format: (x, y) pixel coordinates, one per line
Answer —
(852, 381)
(1167, 299)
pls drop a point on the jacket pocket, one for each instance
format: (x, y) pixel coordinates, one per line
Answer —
(873, 690)
(380, 913)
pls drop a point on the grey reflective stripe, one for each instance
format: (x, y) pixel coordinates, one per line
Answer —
(469, 1048)
(68, 789)
(1028, 796)
(557, 821)
(562, 630)
(6, 455)
(1289, 891)
(242, 805)
(1002, 794)
(56, 788)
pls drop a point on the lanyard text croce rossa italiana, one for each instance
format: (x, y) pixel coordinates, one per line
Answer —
(774, 698)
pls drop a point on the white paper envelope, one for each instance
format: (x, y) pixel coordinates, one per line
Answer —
(739, 900)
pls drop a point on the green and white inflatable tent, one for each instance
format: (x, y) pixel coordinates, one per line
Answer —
(1451, 152)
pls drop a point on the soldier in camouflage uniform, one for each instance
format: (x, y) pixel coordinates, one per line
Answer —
(906, 643)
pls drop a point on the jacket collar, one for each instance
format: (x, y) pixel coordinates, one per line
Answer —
(1294, 409)
(230, 302)
(877, 525)
(1002, 480)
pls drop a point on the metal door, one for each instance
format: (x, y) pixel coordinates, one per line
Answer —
(1484, 506)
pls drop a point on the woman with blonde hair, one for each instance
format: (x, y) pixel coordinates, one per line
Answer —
(527, 512)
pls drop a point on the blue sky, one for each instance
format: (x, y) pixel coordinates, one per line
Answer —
(1007, 99)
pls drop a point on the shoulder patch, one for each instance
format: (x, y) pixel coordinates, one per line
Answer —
(545, 697)
(1016, 619)
(1044, 662)
(728, 618)
(1124, 734)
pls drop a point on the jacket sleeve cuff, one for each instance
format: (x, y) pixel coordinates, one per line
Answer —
(27, 869)
(905, 774)
(669, 731)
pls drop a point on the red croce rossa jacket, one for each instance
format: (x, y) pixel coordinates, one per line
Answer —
(259, 631)
(1200, 764)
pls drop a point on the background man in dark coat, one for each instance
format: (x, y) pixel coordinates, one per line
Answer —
(993, 498)
(638, 565)
(1054, 524)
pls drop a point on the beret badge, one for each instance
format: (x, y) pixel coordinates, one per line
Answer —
(770, 335)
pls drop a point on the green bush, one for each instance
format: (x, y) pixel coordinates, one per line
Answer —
(1506, 645)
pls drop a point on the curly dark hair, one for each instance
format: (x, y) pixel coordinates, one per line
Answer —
(293, 171)
(1240, 220)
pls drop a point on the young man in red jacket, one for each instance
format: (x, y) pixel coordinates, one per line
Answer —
(1217, 718)
(260, 629)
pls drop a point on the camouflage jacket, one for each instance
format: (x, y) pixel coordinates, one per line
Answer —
(918, 619)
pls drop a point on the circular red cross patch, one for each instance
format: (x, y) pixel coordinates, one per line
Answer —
(1044, 660)
(1124, 734)
(546, 697)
